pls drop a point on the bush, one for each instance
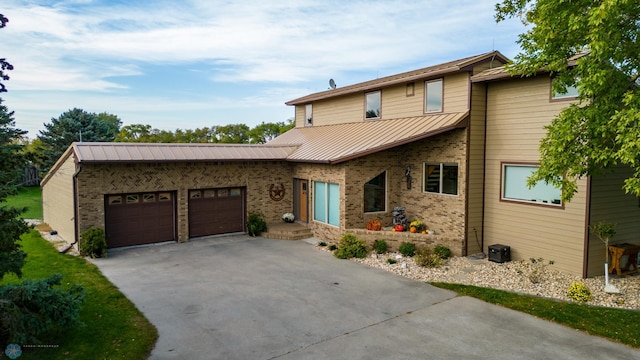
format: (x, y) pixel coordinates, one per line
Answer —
(380, 246)
(350, 246)
(407, 249)
(256, 223)
(33, 307)
(333, 247)
(93, 243)
(443, 252)
(391, 261)
(426, 257)
(579, 292)
(322, 243)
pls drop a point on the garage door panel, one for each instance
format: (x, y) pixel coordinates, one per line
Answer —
(216, 211)
(139, 219)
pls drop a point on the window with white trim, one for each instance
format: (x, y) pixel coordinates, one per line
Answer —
(514, 186)
(308, 114)
(433, 96)
(441, 178)
(326, 203)
(372, 105)
(375, 194)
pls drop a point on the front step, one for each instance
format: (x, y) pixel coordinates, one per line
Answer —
(287, 231)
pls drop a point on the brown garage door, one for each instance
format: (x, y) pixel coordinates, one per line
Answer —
(140, 218)
(216, 211)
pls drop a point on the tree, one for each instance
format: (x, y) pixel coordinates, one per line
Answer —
(75, 125)
(601, 131)
(31, 307)
(4, 65)
(233, 134)
(266, 132)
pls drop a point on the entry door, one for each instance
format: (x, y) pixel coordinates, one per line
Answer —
(301, 200)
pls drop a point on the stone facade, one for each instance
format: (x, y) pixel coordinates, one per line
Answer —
(97, 180)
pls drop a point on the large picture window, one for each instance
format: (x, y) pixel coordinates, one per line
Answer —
(441, 178)
(514, 186)
(326, 203)
(433, 96)
(372, 105)
(375, 194)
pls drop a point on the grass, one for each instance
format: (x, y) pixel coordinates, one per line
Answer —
(114, 327)
(29, 197)
(618, 325)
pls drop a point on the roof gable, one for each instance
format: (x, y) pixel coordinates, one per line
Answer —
(431, 71)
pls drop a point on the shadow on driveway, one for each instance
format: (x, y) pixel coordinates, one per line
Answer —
(237, 297)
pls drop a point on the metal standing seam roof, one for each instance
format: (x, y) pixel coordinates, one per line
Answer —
(501, 72)
(341, 142)
(431, 71)
(161, 152)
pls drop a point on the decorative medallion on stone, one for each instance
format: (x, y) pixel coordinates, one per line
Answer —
(276, 192)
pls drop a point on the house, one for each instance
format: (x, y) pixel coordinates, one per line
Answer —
(452, 143)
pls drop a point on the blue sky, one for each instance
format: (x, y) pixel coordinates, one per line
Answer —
(195, 63)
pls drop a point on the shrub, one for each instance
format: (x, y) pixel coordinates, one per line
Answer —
(380, 246)
(443, 252)
(374, 225)
(350, 246)
(93, 243)
(538, 271)
(256, 223)
(418, 224)
(391, 261)
(322, 243)
(579, 292)
(33, 307)
(407, 249)
(333, 247)
(426, 257)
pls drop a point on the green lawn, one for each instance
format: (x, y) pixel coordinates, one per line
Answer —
(29, 197)
(614, 324)
(114, 328)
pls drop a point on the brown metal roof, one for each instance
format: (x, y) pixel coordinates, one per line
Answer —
(160, 152)
(431, 71)
(342, 142)
(502, 73)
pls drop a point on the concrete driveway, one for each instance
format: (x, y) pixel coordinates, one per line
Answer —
(237, 297)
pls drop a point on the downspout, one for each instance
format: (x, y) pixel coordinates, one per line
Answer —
(484, 160)
(585, 256)
(75, 211)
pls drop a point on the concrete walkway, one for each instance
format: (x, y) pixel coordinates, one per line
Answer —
(237, 297)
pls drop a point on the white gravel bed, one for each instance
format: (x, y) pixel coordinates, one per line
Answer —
(511, 276)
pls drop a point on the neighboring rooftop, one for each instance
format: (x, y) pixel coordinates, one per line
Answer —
(431, 71)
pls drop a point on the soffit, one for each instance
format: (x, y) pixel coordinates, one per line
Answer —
(431, 71)
(161, 152)
(341, 142)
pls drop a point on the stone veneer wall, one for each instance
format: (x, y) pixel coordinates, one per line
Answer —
(96, 180)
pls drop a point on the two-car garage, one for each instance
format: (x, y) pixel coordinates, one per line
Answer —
(150, 217)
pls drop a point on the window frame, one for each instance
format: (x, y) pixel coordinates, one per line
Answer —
(386, 193)
(503, 198)
(426, 95)
(329, 197)
(441, 166)
(553, 97)
(366, 105)
(308, 114)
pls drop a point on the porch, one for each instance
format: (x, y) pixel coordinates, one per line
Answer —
(287, 231)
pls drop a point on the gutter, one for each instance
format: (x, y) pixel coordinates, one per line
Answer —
(75, 211)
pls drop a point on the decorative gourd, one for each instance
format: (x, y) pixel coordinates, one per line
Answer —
(413, 229)
(399, 227)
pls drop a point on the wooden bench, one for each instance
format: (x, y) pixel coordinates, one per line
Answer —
(619, 250)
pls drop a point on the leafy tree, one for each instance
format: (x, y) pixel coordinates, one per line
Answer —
(603, 129)
(75, 125)
(266, 132)
(233, 134)
(31, 307)
(134, 133)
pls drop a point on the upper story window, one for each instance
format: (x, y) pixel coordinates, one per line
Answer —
(308, 114)
(570, 93)
(372, 105)
(441, 178)
(433, 96)
(514, 187)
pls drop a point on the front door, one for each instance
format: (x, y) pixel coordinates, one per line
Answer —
(301, 199)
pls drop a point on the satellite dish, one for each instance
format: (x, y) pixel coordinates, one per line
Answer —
(332, 83)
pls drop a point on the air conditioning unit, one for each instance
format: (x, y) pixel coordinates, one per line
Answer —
(499, 253)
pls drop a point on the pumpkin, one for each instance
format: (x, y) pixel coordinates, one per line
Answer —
(399, 227)
(413, 229)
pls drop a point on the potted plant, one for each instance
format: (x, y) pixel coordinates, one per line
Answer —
(416, 226)
(374, 225)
